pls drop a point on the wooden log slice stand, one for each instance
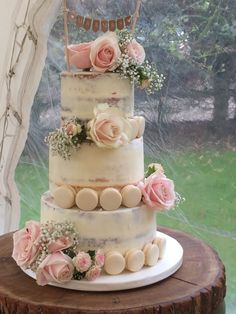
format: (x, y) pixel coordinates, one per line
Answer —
(197, 287)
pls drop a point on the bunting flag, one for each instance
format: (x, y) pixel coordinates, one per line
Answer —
(95, 25)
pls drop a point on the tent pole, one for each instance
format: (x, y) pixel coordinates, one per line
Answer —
(136, 15)
(66, 35)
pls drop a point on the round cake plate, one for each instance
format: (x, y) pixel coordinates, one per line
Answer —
(169, 264)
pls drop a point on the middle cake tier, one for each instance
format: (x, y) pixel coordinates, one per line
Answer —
(96, 167)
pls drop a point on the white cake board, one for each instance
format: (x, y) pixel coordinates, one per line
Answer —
(169, 264)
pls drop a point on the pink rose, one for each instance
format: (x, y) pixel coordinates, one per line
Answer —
(71, 129)
(99, 258)
(79, 55)
(158, 191)
(82, 261)
(110, 128)
(136, 51)
(59, 244)
(56, 267)
(104, 52)
(26, 244)
(93, 273)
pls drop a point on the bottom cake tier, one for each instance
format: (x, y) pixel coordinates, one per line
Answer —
(166, 266)
(118, 230)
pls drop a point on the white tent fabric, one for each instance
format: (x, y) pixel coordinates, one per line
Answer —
(25, 26)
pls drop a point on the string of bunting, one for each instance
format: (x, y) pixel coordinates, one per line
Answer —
(96, 25)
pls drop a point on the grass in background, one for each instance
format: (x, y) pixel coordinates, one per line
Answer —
(32, 182)
(207, 181)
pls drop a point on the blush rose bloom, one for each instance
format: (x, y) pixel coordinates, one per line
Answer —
(110, 128)
(136, 51)
(59, 244)
(56, 267)
(82, 261)
(99, 258)
(73, 129)
(158, 191)
(93, 273)
(26, 244)
(79, 55)
(104, 52)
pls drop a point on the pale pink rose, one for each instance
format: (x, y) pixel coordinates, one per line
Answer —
(110, 128)
(79, 55)
(82, 261)
(59, 244)
(104, 52)
(93, 273)
(56, 267)
(26, 244)
(156, 167)
(99, 258)
(136, 51)
(71, 129)
(158, 191)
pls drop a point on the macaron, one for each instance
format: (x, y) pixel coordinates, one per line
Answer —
(135, 127)
(151, 252)
(86, 199)
(64, 196)
(131, 195)
(110, 199)
(141, 124)
(114, 263)
(161, 243)
(134, 260)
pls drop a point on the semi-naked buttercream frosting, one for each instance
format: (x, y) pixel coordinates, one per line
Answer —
(96, 167)
(81, 92)
(119, 230)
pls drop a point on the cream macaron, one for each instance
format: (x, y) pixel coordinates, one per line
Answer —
(161, 243)
(110, 199)
(135, 127)
(141, 125)
(134, 260)
(131, 195)
(64, 196)
(151, 252)
(86, 199)
(114, 263)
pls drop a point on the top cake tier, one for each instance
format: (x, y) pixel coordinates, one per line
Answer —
(81, 92)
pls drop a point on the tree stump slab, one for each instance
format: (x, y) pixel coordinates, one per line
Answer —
(197, 287)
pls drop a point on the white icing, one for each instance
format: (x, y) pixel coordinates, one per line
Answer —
(120, 230)
(93, 167)
(82, 92)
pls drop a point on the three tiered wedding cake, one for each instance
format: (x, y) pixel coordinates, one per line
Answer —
(99, 215)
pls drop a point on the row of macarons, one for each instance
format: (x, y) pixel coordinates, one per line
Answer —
(135, 259)
(88, 199)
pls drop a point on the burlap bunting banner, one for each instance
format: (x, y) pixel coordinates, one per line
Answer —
(99, 25)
